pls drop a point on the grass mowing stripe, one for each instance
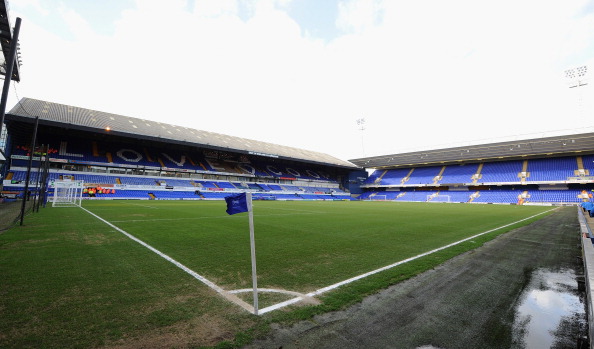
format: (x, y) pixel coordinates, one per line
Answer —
(359, 277)
(197, 276)
(304, 252)
(338, 284)
(211, 217)
(69, 283)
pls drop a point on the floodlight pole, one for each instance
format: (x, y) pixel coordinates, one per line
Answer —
(28, 177)
(9, 66)
(45, 179)
(577, 78)
(361, 123)
(37, 184)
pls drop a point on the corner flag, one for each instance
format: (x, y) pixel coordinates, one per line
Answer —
(243, 203)
(236, 203)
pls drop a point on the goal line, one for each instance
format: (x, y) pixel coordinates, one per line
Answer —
(230, 296)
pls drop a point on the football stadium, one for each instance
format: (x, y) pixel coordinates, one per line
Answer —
(123, 232)
(322, 225)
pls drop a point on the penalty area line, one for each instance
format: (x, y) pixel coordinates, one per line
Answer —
(227, 295)
(359, 277)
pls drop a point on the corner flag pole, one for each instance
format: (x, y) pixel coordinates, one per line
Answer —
(253, 248)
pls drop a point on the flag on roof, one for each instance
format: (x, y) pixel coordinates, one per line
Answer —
(236, 203)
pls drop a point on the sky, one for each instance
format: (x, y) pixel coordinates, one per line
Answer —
(422, 73)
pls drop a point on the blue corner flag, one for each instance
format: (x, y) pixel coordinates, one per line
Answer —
(236, 203)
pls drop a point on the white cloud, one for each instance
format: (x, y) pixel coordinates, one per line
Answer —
(421, 73)
(358, 15)
(34, 4)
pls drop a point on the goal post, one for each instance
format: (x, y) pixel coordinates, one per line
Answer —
(379, 198)
(67, 193)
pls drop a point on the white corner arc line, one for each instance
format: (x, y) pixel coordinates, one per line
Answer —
(347, 281)
(231, 297)
(197, 276)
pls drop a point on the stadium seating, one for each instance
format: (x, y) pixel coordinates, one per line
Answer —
(86, 152)
(175, 195)
(458, 174)
(554, 196)
(394, 177)
(588, 163)
(553, 169)
(424, 175)
(498, 196)
(501, 172)
(307, 182)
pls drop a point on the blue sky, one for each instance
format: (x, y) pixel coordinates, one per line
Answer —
(301, 72)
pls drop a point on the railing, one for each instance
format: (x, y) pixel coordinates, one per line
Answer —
(588, 259)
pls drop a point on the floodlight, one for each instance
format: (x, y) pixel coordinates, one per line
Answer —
(577, 77)
(361, 123)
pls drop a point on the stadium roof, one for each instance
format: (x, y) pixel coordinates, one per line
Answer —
(573, 144)
(69, 117)
(5, 40)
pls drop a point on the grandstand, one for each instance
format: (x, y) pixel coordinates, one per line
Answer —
(548, 170)
(120, 157)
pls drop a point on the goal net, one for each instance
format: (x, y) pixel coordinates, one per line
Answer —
(67, 193)
(379, 198)
(438, 198)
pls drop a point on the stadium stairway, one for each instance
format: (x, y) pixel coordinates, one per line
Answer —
(522, 198)
(478, 174)
(95, 149)
(439, 176)
(407, 177)
(581, 171)
(474, 196)
(379, 179)
(524, 174)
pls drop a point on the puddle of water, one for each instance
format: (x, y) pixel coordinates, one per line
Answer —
(551, 312)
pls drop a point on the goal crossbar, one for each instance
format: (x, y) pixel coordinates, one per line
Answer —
(67, 193)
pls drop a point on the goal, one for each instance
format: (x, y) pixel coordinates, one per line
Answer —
(438, 198)
(67, 193)
(379, 198)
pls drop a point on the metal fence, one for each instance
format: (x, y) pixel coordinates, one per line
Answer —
(10, 212)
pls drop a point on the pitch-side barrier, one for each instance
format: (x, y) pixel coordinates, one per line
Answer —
(587, 239)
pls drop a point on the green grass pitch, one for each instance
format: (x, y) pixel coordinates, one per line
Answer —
(70, 280)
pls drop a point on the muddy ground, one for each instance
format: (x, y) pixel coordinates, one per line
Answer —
(468, 302)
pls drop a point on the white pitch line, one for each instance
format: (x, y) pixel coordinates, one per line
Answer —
(231, 296)
(219, 290)
(359, 277)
